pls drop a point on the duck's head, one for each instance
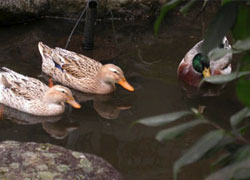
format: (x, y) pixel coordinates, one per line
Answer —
(201, 65)
(112, 74)
(59, 94)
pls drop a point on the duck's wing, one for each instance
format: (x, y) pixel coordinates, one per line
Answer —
(222, 65)
(76, 65)
(22, 86)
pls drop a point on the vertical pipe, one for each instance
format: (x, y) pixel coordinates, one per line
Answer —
(88, 35)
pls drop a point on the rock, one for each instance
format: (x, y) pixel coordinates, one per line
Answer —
(15, 11)
(23, 161)
(19, 11)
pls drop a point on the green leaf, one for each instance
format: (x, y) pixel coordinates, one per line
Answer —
(241, 174)
(243, 89)
(197, 151)
(239, 116)
(165, 8)
(220, 79)
(163, 119)
(204, 3)
(230, 171)
(241, 29)
(243, 130)
(218, 53)
(222, 160)
(171, 133)
(187, 6)
(242, 154)
(225, 2)
(242, 45)
(220, 25)
(226, 140)
(245, 62)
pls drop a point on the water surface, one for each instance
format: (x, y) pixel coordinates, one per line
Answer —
(103, 125)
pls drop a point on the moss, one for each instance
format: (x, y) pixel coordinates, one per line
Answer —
(62, 168)
(42, 167)
(86, 164)
(44, 147)
(46, 175)
(4, 170)
(77, 155)
(53, 163)
(14, 165)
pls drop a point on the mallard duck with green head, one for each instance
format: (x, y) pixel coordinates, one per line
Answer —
(194, 66)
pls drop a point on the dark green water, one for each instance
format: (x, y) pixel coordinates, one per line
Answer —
(103, 125)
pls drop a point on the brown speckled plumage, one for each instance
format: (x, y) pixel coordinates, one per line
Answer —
(30, 95)
(78, 71)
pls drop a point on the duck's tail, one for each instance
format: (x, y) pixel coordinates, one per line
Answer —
(46, 53)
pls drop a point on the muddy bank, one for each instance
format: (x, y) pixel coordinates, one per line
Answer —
(47, 162)
(19, 11)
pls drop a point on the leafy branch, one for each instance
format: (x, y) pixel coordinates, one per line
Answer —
(210, 142)
(232, 17)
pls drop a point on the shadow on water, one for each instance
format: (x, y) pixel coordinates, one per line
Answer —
(102, 125)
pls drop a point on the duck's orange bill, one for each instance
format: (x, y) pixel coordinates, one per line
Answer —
(126, 85)
(74, 104)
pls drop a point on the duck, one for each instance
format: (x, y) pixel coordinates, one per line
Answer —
(32, 96)
(81, 72)
(194, 66)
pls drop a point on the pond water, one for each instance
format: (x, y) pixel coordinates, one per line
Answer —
(103, 125)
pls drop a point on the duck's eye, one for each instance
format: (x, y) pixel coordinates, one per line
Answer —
(197, 64)
(200, 62)
(61, 90)
(114, 70)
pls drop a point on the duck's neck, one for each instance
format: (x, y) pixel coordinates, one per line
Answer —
(53, 108)
(56, 109)
(103, 87)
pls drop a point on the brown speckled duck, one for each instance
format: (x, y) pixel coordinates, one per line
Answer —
(32, 96)
(194, 66)
(80, 72)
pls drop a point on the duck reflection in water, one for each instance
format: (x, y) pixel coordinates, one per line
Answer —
(105, 105)
(206, 90)
(57, 127)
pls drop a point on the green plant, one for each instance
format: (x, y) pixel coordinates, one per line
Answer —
(210, 143)
(232, 17)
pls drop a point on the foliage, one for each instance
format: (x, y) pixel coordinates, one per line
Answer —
(234, 17)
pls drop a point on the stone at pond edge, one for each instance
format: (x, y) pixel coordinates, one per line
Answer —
(21, 11)
(21, 161)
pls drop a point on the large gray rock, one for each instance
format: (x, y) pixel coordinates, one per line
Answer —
(33, 161)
